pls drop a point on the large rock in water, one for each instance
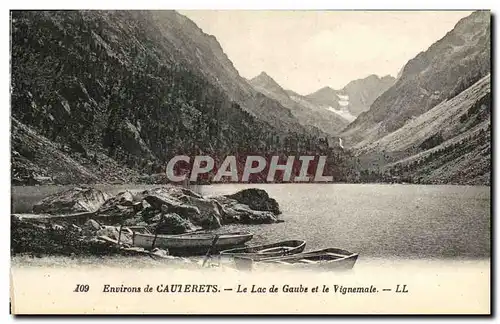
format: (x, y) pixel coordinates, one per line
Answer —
(169, 209)
(209, 215)
(185, 203)
(172, 224)
(71, 201)
(118, 208)
(256, 199)
(235, 212)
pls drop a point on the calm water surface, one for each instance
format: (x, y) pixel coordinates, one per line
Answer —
(400, 221)
(377, 221)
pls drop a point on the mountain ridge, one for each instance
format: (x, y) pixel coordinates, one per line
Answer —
(450, 65)
(307, 113)
(434, 124)
(113, 95)
(355, 97)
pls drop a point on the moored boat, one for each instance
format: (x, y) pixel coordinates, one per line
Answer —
(325, 259)
(196, 241)
(259, 252)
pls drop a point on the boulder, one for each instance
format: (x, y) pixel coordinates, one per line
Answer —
(155, 219)
(109, 231)
(118, 208)
(234, 212)
(178, 192)
(91, 227)
(209, 216)
(124, 198)
(256, 199)
(133, 221)
(185, 203)
(172, 224)
(249, 216)
(71, 201)
(174, 205)
(148, 213)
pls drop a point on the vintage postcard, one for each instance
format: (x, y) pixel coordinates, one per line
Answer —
(250, 162)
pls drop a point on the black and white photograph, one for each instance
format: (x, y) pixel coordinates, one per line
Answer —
(197, 161)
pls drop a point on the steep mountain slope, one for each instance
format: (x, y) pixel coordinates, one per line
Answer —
(448, 67)
(38, 160)
(308, 114)
(355, 98)
(444, 121)
(326, 97)
(362, 93)
(268, 86)
(204, 52)
(448, 144)
(131, 89)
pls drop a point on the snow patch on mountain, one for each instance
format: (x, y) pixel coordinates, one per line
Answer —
(343, 112)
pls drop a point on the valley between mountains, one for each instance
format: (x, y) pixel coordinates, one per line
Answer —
(111, 96)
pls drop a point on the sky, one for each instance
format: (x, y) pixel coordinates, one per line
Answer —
(307, 50)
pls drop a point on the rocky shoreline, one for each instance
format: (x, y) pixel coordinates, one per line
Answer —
(86, 221)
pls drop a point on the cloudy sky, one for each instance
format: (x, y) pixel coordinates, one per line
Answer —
(307, 50)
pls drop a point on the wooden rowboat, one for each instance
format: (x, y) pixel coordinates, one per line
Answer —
(191, 241)
(325, 259)
(259, 252)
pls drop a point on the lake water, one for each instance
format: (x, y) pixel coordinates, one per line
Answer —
(377, 221)
(400, 221)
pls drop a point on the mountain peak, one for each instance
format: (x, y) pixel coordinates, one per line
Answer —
(323, 91)
(325, 96)
(262, 77)
(356, 96)
(263, 74)
(327, 88)
(264, 81)
(309, 114)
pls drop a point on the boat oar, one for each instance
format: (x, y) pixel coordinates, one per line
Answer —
(120, 234)
(210, 250)
(154, 241)
(158, 225)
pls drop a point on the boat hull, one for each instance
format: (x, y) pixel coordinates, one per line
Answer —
(259, 252)
(321, 260)
(346, 263)
(190, 242)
